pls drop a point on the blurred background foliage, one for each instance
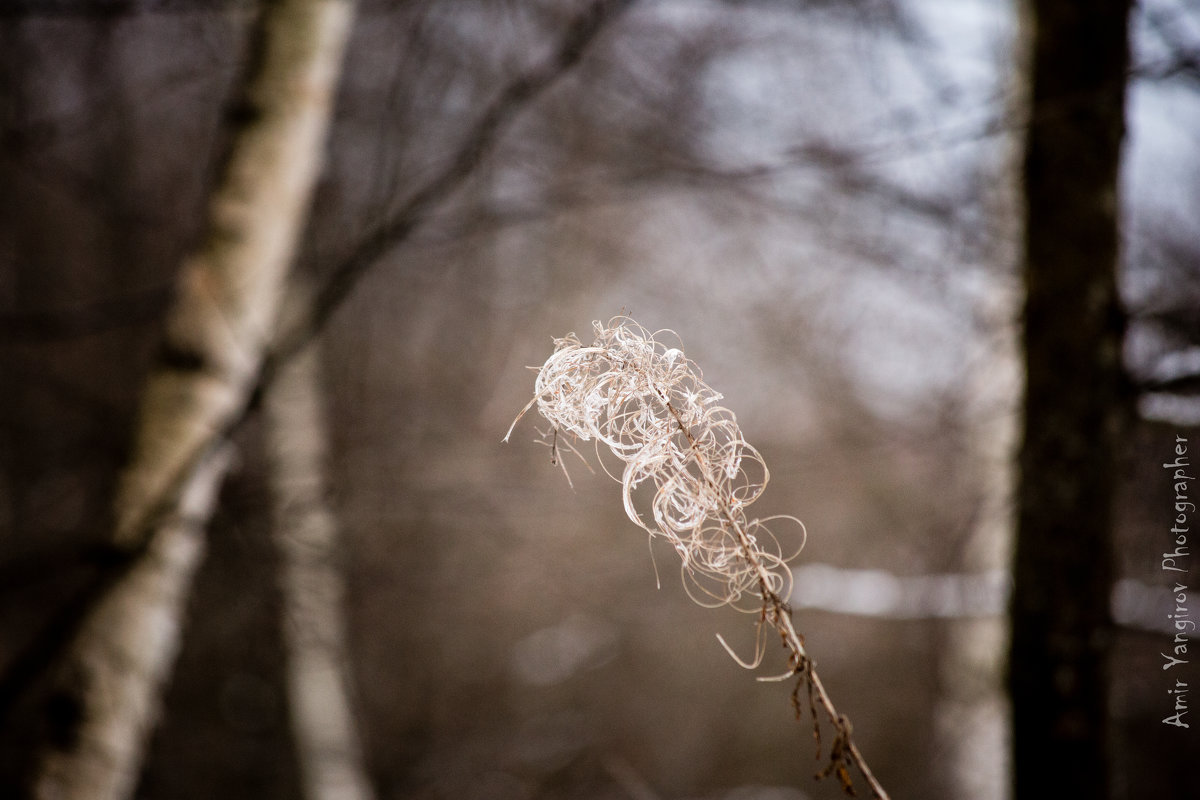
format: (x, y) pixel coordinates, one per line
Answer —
(820, 197)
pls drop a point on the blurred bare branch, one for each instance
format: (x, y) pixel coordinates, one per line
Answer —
(121, 650)
(476, 145)
(57, 632)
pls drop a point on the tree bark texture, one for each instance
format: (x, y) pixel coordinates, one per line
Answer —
(221, 322)
(1075, 402)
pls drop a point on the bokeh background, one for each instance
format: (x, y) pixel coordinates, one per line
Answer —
(820, 197)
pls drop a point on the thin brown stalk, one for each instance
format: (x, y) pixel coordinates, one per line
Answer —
(779, 614)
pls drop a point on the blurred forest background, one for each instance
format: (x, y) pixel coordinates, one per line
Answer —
(821, 197)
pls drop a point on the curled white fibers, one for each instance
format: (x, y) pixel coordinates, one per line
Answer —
(688, 473)
(688, 477)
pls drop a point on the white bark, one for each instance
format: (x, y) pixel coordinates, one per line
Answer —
(972, 717)
(231, 289)
(125, 651)
(216, 333)
(306, 533)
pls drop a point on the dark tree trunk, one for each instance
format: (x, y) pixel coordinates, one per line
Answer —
(1075, 402)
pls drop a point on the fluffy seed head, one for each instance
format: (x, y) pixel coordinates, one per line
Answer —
(687, 475)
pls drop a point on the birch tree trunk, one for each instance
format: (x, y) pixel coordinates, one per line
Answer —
(973, 713)
(216, 333)
(314, 631)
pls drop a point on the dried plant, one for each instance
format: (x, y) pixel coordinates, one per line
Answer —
(688, 477)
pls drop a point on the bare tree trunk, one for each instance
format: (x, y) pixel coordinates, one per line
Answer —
(318, 672)
(1075, 402)
(972, 710)
(123, 653)
(973, 713)
(216, 333)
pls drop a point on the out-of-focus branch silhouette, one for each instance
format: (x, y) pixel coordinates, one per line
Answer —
(121, 647)
(480, 140)
(46, 646)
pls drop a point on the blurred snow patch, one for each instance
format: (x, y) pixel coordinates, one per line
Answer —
(876, 593)
(1175, 409)
(554, 654)
(1143, 606)
(1177, 365)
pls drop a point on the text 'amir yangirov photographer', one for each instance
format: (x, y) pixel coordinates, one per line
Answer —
(1175, 564)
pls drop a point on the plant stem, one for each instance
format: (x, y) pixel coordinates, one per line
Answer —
(780, 615)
